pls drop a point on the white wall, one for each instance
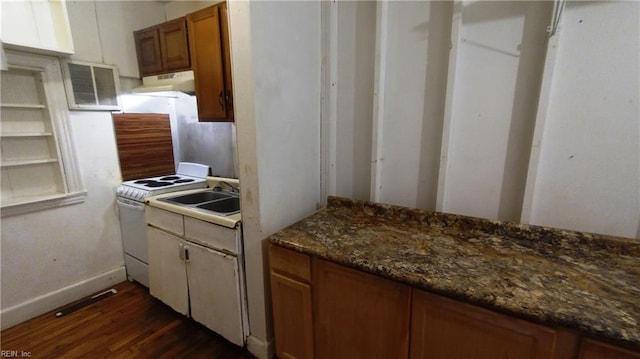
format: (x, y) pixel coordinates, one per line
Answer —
(355, 65)
(413, 95)
(462, 128)
(103, 30)
(276, 67)
(175, 9)
(498, 66)
(52, 257)
(589, 167)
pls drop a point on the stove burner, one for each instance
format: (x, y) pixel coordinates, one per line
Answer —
(170, 178)
(157, 184)
(184, 180)
(144, 181)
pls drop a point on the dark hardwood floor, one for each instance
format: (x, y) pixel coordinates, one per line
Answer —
(129, 324)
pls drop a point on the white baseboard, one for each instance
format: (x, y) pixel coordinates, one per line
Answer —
(259, 348)
(50, 301)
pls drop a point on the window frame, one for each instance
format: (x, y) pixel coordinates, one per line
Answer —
(69, 89)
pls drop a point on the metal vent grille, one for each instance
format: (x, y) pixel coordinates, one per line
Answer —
(91, 86)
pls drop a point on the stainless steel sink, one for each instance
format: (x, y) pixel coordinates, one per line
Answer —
(218, 202)
(226, 206)
(198, 197)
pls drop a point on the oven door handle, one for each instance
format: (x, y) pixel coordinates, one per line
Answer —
(131, 204)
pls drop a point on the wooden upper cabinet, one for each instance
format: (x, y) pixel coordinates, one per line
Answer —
(446, 329)
(174, 45)
(226, 53)
(163, 48)
(592, 349)
(148, 51)
(210, 61)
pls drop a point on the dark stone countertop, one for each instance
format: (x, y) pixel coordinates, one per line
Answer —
(555, 277)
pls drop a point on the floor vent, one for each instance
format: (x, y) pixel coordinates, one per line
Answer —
(85, 302)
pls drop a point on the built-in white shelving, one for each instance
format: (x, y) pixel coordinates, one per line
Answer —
(22, 105)
(27, 134)
(27, 162)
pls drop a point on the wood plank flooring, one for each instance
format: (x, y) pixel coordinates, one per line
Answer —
(129, 324)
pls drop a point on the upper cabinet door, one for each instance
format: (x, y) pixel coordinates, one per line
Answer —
(206, 48)
(148, 51)
(163, 48)
(174, 45)
(226, 52)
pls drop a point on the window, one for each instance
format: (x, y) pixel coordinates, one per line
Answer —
(38, 163)
(91, 86)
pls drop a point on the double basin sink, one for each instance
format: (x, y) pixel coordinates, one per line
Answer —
(219, 202)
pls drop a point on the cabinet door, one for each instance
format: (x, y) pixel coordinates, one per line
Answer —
(358, 315)
(206, 61)
(446, 329)
(292, 319)
(167, 275)
(175, 48)
(226, 52)
(148, 51)
(291, 303)
(214, 291)
(591, 349)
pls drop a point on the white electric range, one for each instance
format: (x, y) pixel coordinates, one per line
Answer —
(131, 196)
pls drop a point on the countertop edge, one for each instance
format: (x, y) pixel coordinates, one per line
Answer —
(231, 221)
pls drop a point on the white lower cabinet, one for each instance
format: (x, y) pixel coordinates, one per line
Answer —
(214, 291)
(167, 274)
(194, 280)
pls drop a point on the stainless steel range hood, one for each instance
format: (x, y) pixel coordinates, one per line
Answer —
(178, 81)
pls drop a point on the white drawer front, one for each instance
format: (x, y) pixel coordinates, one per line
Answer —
(169, 221)
(211, 235)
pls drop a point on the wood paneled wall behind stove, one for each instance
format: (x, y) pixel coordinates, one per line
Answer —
(145, 148)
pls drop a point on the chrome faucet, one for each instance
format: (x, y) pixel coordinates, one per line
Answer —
(232, 187)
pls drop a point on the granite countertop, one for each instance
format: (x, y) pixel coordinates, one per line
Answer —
(555, 277)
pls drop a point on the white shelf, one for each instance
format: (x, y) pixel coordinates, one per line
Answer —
(27, 134)
(22, 105)
(27, 162)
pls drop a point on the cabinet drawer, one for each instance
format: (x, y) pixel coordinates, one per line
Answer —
(170, 222)
(289, 262)
(211, 235)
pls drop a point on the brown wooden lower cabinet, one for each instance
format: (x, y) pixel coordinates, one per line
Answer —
(359, 315)
(325, 310)
(442, 328)
(592, 349)
(291, 303)
(292, 317)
